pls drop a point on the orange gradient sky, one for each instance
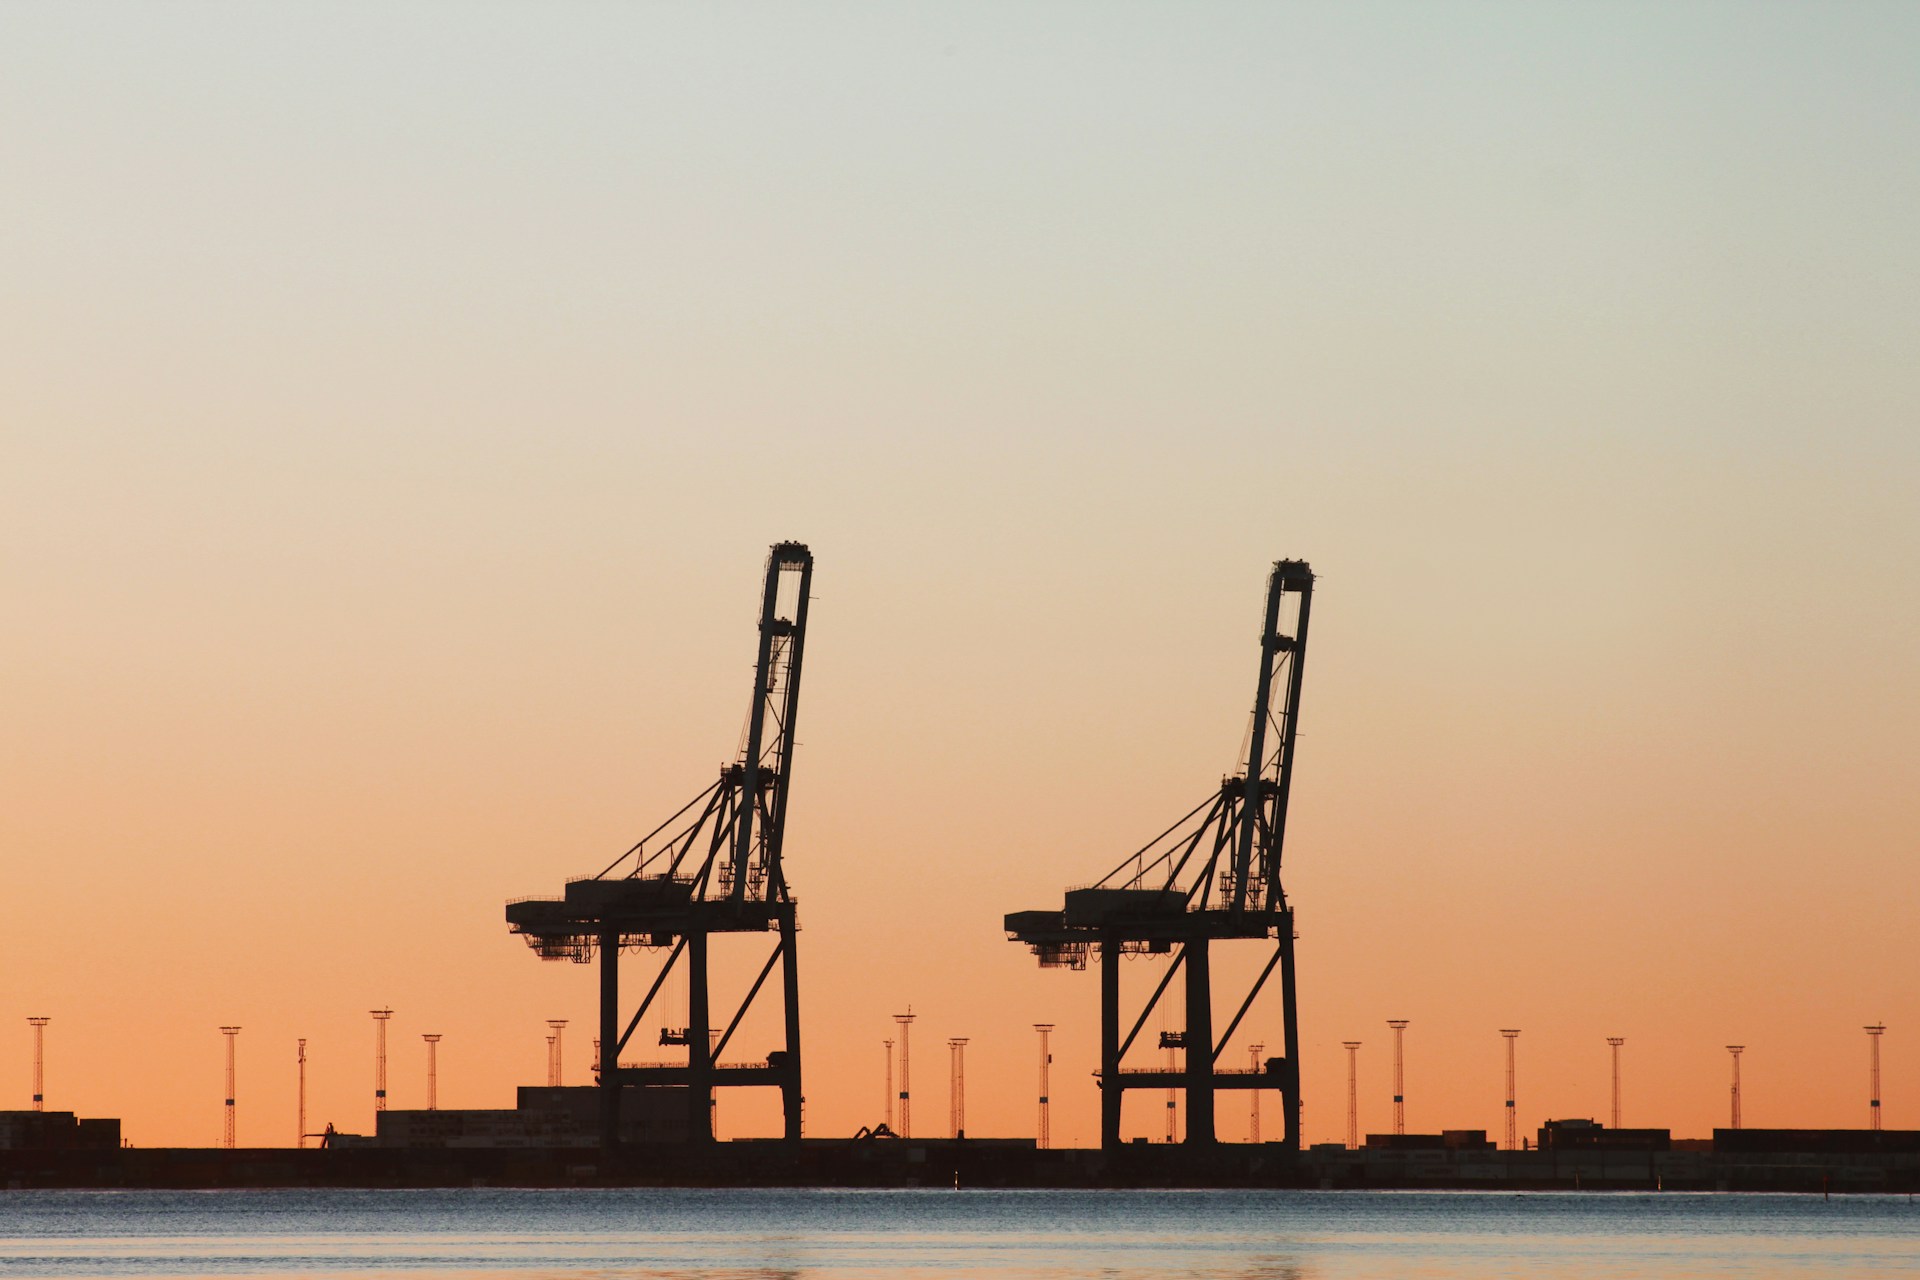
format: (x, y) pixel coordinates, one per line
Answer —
(396, 405)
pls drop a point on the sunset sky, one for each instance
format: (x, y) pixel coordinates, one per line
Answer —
(397, 402)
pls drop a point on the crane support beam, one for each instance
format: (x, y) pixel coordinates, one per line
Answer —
(1247, 1004)
(610, 1039)
(1146, 1010)
(1199, 1041)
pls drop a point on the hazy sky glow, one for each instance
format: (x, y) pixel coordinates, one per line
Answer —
(396, 403)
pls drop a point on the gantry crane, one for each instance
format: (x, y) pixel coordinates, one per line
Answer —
(1213, 876)
(717, 871)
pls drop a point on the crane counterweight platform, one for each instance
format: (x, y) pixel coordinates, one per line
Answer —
(713, 868)
(1213, 876)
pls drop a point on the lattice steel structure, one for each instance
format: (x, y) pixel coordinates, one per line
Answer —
(300, 1104)
(712, 869)
(1399, 1026)
(228, 1128)
(557, 1052)
(380, 1018)
(1043, 1136)
(1614, 1043)
(39, 1026)
(1353, 1093)
(1513, 1119)
(1213, 876)
(1253, 1095)
(1874, 1032)
(433, 1071)
(1734, 1094)
(905, 1021)
(957, 1087)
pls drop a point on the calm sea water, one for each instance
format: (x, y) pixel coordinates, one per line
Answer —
(1039, 1235)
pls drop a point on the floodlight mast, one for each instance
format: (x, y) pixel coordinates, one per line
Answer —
(1214, 875)
(716, 872)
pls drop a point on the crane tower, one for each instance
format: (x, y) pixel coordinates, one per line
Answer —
(712, 869)
(1213, 876)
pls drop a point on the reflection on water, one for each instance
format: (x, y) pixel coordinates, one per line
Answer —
(1037, 1235)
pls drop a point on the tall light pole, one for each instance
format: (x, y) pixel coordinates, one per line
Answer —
(957, 1086)
(1513, 1123)
(559, 1026)
(1353, 1093)
(1874, 1033)
(380, 1017)
(713, 1099)
(1735, 1050)
(433, 1071)
(1614, 1043)
(1253, 1113)
(906, 1089)
(1399, 1026)
(39, 1026)
(889, 1098)
(300, 1058)
(1044, 1137)
(227, 1135)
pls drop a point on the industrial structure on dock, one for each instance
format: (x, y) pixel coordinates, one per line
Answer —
(710, 871)
(1212, 877)
(713, 874)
